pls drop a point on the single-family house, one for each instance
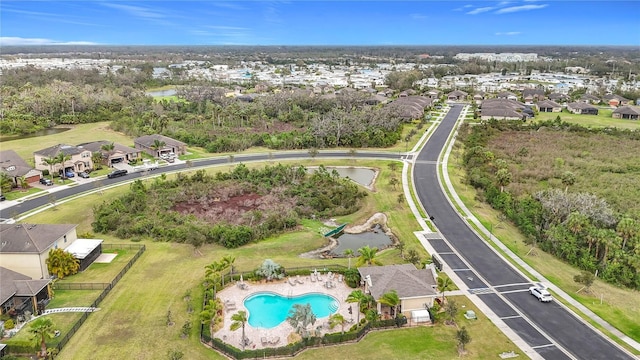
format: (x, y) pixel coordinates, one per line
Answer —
(119, 153)
(19, 293)
(579, 107)
(503, 109)
(416, 288)
(148, 143)
(589, 99)
(626, 112)
(558, 97)
(478, 97)
(410, 107)
(615, 100)
(532, 95)
(548, 106)
(457, 95)
(434, 95)
(78, 159)
(507, 95)
(15, 167)
(24, 248)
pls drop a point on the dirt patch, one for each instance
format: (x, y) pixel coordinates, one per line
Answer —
(236, 206)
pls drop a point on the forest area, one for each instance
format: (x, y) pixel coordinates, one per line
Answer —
(227, 208)
(570, 190)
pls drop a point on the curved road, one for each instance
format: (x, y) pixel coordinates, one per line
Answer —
(549, 328)
(28, 205)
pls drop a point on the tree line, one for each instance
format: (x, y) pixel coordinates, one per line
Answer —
(274, 199)
(578, 227)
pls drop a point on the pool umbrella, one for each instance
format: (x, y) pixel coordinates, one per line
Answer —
(241, 279)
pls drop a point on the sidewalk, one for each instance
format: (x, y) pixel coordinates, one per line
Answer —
(520, 262)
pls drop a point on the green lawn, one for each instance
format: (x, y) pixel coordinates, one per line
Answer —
(78, 134)
(133, 315)
(603, 119)
(620, 306)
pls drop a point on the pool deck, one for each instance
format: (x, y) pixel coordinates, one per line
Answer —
(234, 294)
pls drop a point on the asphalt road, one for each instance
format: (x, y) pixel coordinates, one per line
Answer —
(28, 205)
(549, 328)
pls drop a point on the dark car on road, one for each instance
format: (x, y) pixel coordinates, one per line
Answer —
(117, 173)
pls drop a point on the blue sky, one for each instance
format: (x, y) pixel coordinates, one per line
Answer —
(302, 22)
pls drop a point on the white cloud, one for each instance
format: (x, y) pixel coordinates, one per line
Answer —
(480, 10)
(137, 11)
(513, 9)
(13, 41)
(418, 16)
(508, 33)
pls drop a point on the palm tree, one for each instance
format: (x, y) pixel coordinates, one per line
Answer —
(24, 184)
(51, 162)
(463, 339)
(109, 149)
(157, 146)
(392, 300)
(228, 261)
(349, 254)
(337, 319)
(97, 158)
(444, 284)
(300, 317)
(61, 263)
(42, 329)
(368, 256)
(357, 296)
(239, 320)
(62, 158)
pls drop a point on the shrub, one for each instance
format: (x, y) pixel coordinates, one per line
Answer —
(9, 324)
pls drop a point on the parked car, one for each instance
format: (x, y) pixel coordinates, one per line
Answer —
(540, 292)
(45, 181)
(117, 173)
(2, 197)
(69, 174)
(83, 175)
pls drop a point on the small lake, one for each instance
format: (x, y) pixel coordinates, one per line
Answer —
(374, 238)
(44, 132)
(168, 92)
(363, 176)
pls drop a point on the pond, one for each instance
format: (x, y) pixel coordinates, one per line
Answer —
(363, 176)
(168, 92)
(375, 237)
(45, 132)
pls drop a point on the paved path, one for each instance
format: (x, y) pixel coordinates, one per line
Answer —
(69, 309)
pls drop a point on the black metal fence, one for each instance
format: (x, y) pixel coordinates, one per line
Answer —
(106, 288)
(293, 349)
(296, 348)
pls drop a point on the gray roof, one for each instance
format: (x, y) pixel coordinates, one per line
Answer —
(580, 105)
(147, 140)
(57, 149)
(628, 110)
(16, 284)
(548, 104)
(31, 238)
(96, 146)
(404, 278)
(12, 164)
(457, 93)
(411, 107)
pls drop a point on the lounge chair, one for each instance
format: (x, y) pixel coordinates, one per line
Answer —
(274, 340)
(313, 277)
(291, 282)
(299, 280)
(264, 341)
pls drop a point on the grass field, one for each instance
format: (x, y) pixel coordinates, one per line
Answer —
(603, 119)
(620, 306)
(133, 315)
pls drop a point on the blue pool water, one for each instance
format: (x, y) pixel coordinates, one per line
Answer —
(268, 310)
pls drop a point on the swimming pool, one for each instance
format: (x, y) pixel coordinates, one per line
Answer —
(268, 310)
